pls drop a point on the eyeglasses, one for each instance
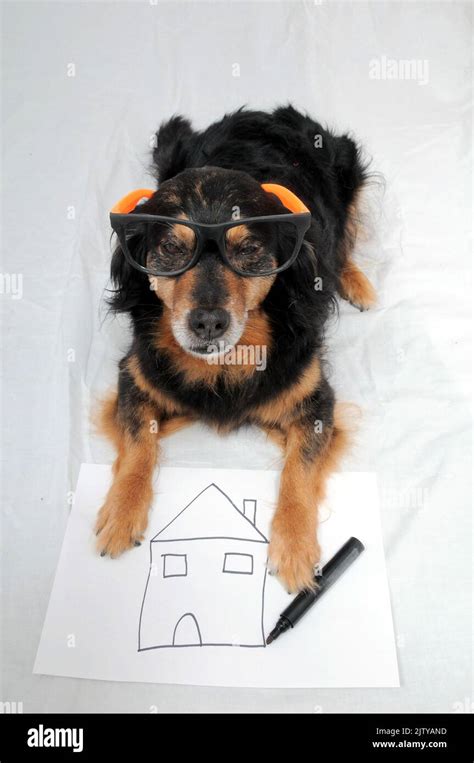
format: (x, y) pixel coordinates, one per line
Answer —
(252, 246)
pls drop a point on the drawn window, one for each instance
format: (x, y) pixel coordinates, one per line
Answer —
(175, 565)
(238, 564)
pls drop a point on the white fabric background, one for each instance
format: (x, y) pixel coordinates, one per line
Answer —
(83, 141)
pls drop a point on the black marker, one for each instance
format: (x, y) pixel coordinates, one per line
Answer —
(329, 574)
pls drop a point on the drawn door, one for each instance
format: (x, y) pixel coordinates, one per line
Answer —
(186, 632)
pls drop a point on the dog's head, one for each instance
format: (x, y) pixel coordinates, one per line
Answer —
(208, 306)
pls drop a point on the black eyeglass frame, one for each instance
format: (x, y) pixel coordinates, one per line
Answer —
(209, 232)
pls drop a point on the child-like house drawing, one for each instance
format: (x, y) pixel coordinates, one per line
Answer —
(207, 574)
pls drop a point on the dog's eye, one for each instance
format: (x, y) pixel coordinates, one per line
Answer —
(249, 247)
(170, 247)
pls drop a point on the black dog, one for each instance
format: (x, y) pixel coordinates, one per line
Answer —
(165, 383)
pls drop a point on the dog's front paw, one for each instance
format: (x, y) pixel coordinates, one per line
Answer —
(293, 558)
(118, 529)
(357, 289)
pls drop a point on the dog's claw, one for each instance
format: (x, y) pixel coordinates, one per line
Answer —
(360, 308)
(292, 558)
(118, 529)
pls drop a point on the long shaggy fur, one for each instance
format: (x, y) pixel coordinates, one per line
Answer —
(324, 170)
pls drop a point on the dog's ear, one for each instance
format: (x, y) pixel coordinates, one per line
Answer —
(123, 297)
(131, 288)
(302, 295)
(173, 143)
(350, 169)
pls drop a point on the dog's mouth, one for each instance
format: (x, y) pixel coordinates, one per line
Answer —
(208, 334)
(211, 350)
(205, 353)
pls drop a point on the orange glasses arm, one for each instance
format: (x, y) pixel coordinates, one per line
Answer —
(287, 197)
(130, 201)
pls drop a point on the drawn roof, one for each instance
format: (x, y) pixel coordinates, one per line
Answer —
(211, 514)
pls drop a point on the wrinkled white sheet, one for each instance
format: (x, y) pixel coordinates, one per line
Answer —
(74, 144)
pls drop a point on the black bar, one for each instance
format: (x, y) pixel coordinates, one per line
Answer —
(422, 736)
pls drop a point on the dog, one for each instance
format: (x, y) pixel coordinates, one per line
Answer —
(166, 380)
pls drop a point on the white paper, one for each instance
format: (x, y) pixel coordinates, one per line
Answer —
(200, 579)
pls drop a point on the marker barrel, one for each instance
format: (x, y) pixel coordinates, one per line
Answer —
(329, 574)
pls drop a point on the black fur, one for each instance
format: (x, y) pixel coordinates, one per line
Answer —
(276, 147)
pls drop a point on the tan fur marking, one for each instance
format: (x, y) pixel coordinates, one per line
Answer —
(256, 289)
(356, 287)
(294, 549)
(185, 233)
(281, 409)
(246, 293)
(237, 234)
(163, 288)
(164, 403)
(257, 331)
(235, 287)
(123, 518)
(170, 426)
(175, 292)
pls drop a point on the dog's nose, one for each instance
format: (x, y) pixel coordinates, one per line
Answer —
(209, 324)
